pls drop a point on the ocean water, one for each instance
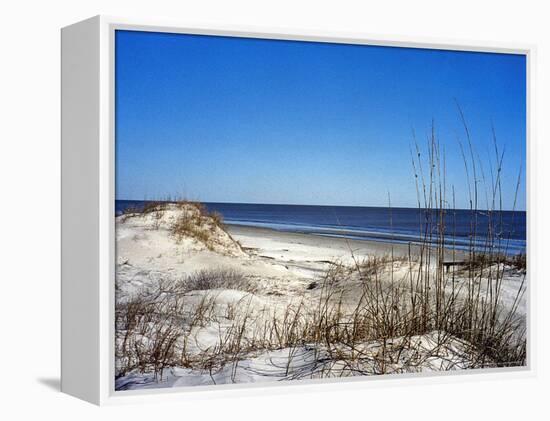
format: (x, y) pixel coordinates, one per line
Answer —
(400, 225)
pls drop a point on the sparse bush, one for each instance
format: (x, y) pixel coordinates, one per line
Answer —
(217, 219)
(153, 206)
(146, 335)
(193, 226)
(216, 279)
(374, 264)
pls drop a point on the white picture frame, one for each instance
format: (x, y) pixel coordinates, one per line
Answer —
(88, 217)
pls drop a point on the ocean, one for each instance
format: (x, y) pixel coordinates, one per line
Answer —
(400, 225)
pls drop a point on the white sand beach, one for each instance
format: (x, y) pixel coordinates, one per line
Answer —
(258, 281)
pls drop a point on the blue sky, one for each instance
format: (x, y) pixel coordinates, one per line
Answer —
(222, 119)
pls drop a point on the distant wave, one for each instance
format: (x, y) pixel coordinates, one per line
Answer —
(511, 246)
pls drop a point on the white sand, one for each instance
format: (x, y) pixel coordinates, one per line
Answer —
(145, 253)
(278, 266)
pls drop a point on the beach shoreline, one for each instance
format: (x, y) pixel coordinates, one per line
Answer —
(340, 247)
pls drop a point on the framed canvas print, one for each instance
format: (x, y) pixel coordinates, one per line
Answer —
(246, 209)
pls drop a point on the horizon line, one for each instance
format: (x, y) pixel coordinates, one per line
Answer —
(317, 205)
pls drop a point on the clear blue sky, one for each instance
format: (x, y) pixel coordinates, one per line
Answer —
(222, 119)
